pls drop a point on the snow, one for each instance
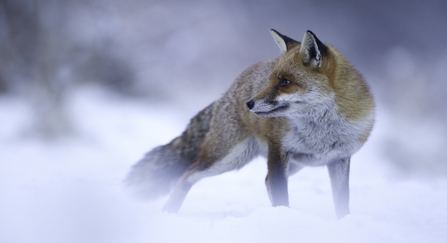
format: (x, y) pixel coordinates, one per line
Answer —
(71, 190)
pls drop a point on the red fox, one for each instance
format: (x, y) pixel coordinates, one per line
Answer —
(309, 107)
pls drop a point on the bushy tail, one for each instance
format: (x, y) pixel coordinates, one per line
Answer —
(155, 174)
(158, 171)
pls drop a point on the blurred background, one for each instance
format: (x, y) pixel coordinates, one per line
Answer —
(185, 54)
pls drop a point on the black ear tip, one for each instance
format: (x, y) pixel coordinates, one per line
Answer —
(310, 32)
(321, 46)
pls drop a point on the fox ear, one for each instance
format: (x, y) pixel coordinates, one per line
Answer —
(285, 43)
(312, 50)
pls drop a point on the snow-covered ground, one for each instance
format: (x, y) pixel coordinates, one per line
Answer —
(71, 190)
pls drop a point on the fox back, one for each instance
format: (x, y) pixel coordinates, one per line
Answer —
(309, 107)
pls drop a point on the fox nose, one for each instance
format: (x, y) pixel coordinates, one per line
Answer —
(250, 104)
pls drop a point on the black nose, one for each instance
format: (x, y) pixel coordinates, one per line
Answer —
(250, 104)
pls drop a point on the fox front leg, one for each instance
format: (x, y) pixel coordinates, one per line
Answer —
(276, 180)
(339, 175)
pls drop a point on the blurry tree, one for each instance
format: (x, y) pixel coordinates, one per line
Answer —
(40, 60)
(33, 57)
(3, 87)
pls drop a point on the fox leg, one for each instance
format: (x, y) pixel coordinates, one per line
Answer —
(210, 165)
(277, 175)
(293, 169)
(181, 189)
(339, 175)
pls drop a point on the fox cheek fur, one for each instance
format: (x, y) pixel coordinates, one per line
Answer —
(309, 107)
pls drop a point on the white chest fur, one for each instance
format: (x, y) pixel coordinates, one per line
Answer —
(321, 138)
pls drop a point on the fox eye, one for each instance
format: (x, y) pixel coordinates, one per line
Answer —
(284, 82)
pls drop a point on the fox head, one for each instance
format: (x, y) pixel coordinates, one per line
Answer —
(300, 81)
